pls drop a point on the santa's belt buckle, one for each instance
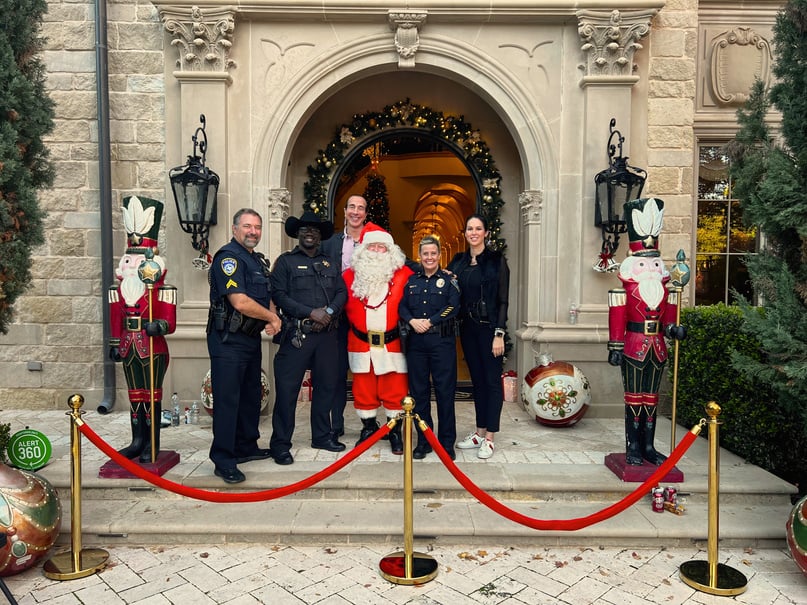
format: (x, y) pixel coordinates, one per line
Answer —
(376, 339)
(133, 324)
(650, 327)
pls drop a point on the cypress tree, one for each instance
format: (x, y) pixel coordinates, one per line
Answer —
(770, 179)
(26, 115)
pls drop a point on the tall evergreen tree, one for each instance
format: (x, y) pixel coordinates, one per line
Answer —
(377, 199)
(770, 179)
(26, 115)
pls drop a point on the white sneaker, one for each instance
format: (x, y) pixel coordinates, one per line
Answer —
(485, 450)
(470, 442)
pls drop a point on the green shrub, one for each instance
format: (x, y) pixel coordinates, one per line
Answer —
(754, 426)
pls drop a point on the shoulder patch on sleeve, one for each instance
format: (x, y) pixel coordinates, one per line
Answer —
(229, 265)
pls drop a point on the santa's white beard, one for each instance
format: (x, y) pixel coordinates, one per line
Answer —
(651, 289)
(132, 288)
(373, 271)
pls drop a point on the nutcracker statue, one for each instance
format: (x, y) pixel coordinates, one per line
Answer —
(641, 314)
(142, 311)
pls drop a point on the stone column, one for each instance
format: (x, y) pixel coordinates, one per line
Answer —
(278, 202)
(609, 40)
(202, 38)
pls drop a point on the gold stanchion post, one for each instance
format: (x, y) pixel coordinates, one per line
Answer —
(76, 563)
(710, 576)
(679, 277)
(408, 567)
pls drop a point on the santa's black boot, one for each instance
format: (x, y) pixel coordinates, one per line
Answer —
(145, 455)
(137, 420)
(633, 452)
(369, 426)
(396, 440)
(649, 453)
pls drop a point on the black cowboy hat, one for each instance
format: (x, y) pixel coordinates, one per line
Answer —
(309, 219)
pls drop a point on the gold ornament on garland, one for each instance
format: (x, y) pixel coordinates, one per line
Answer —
(404, 114)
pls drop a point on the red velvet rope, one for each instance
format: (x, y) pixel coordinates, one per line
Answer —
(211, 496)
(560, 524)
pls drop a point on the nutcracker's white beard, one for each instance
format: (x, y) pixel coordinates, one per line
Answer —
(374, 270)
(132, 288)
(650, 288)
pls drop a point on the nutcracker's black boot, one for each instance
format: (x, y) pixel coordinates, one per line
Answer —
(369, 426)
(145, 455)
(649, 453)
(633, 453)
(137, 420)
(396, 440)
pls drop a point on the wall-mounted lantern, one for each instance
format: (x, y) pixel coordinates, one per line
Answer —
(195, 188)
(617, 184)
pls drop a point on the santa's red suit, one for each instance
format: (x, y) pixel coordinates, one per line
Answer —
(374, 347)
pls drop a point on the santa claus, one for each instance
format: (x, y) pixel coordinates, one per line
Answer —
(375, 283)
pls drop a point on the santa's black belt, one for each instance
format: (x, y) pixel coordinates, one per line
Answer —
(649, 327)
(377, 339)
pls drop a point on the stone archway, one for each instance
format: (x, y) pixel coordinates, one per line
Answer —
(458, 135)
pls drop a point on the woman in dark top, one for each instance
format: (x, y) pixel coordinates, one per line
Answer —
(484, 279)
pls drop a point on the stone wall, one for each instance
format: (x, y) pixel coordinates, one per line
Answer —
(59, 321)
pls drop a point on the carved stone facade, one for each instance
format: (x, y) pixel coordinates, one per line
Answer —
(540, 81)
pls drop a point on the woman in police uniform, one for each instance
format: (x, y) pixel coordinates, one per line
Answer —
(429, 307)
(484, 280)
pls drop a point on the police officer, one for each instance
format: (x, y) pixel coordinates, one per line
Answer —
(429, 306)
(240, 309)
(308, 289)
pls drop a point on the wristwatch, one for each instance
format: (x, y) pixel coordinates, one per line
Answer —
(498, 332)
(329, 310)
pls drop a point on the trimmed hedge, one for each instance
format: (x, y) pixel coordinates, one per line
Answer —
(754, 427)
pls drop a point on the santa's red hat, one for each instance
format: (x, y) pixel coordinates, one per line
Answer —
(374, 234)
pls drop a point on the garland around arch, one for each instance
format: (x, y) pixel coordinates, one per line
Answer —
(410, 115)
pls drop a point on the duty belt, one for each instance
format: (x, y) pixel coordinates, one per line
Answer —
(377, 339)
(649, 327)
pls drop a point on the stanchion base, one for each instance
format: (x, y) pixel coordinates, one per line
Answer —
(166, 460)
(639, 473)
(60, 566)
(729, 581)
(393, 568)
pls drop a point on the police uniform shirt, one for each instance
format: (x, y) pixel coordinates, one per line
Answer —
(302, 283)
(236, 270)
(435, 297)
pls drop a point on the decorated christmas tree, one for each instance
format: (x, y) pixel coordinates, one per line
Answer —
(26, 115)
(377, 199)
(770, 179)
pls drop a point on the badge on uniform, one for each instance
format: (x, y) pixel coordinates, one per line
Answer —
(440, 283)
(326, 263)
(229, 265)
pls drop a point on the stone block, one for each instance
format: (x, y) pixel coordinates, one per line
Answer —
(70, 130)
(669, 137)
(670, 112)
(70, 175)
(69, 287)
(87, 310)
(153, 84)
(140, 36)
(66, 243)
(21, 334)
(44, 309)
(665, 68)
(71, 334)
(669, 43)
(16, 375)
(82, 220)
(75, 104)
(74, 61)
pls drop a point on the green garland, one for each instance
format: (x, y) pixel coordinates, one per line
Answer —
(404, 114)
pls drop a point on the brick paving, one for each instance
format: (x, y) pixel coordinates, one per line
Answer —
(246, 574)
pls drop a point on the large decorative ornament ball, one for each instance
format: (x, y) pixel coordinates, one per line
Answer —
(207, 392)
(556, 393)
(30, 518)
(796, 532)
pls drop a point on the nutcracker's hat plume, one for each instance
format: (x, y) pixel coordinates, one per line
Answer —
(644, 218)
(141, 219)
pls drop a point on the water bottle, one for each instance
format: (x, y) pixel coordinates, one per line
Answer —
(175, 410)
(195, 413)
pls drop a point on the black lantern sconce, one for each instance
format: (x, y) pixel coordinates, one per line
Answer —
(617, 184)
(195, 188)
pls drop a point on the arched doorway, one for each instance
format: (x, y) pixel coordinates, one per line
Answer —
(426, 150)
